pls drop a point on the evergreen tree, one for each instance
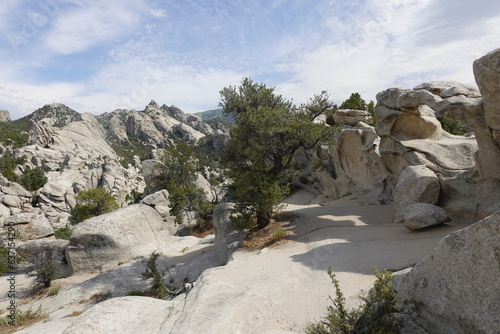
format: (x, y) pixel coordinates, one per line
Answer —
(259, 154)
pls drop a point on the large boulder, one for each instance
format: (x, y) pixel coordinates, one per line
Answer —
(417, 184)
(227, 238)
(30, 226)
(457, 285)
(104, 241)
(56, 248)
(422, 215)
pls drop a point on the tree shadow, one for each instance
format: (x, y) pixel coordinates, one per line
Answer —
(352, 237)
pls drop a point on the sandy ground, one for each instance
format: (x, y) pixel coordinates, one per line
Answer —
(281, 288)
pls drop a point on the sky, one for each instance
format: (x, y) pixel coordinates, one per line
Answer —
(100, 55)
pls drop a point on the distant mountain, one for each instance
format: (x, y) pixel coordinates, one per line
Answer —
(210, 114)
(58, 112)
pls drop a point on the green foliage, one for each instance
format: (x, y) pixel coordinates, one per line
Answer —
(158, 289)
(127, 150)
(377, 314)
(8, 163)
(451, 125)
(259, 153)
(178, 175)
(355, 101)
(135, 196)
(371, 110)
(14, 133)
(91, 203)
(63, 233)
(33, 179)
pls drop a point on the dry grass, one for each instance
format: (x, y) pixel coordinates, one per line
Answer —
(275, 232)
(23, 319)
(74, 314)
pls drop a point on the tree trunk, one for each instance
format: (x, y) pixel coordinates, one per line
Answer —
(263, 219)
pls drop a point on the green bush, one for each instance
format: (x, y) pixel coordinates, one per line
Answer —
(63, 233)
(8, 162)
(33, 179)
(451, 125)
(45, 268)
(377, 314)
(91, 203)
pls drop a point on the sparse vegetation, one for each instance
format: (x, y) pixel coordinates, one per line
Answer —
(376, 315)
(54, 290)
(22, 319)
(158, 288)
(91, 203)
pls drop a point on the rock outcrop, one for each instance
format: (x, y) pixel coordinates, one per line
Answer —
(352, 117)
(457, 284)
(30, 226)
(4, 116)
(104, 241)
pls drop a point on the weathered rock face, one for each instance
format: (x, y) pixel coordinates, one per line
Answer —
(352, 117)
(102, 242)
(30, 226)
(457, 283)
(351, 166)
(78, 158)
(155, 126)
(416, 184)
(411, 135)
(42, 250)
(4, 116)
(227, 239)
(422, 215)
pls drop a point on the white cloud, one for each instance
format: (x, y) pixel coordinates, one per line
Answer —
(158, 13)
(91, 23)
(373, 54)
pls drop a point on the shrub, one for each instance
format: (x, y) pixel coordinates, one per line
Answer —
(54, 290)
(33, 179)
(46, 271)
(91, 203)
(376, 315)
(451, 125)
(63, 233)
(22, 319)
(158, 289)
(279, 234)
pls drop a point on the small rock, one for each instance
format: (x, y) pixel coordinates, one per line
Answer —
(422, 215)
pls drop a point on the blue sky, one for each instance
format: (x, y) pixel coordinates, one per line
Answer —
(99, 55)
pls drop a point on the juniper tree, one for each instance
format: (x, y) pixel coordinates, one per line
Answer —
(260, 152)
